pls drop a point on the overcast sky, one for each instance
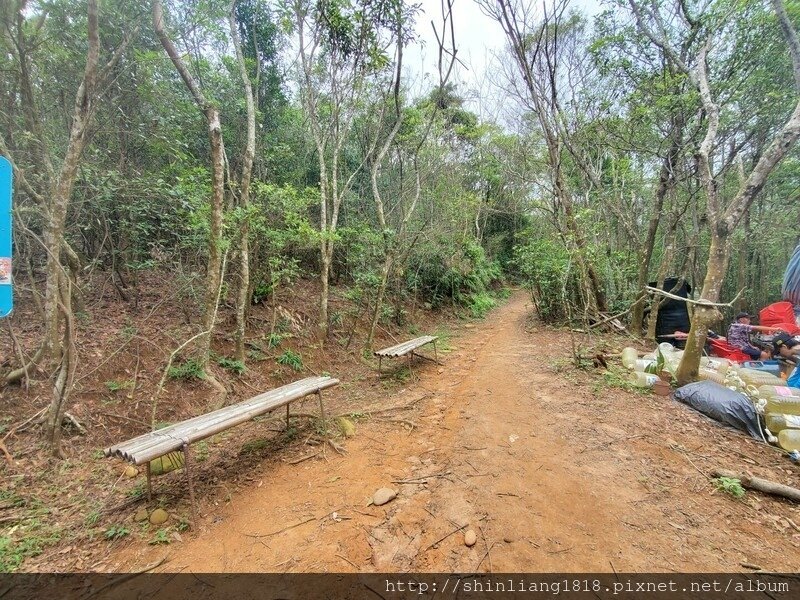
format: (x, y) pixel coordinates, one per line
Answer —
(478, 39)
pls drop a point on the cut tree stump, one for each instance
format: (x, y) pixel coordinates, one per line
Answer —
(761, 485)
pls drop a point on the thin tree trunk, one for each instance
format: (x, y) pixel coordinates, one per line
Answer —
(376, 313)
(666, 179)
(66, 372)
(704, 317)
(243, 298)
(62, 189)
(213, 274)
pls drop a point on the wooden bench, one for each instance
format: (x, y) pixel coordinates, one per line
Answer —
(155, 444)
(407, 349)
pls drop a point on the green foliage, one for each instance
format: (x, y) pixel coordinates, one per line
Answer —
(464, 277)
(159, 538)
(116, 385)
(658, 366)
(274, 340)
(116, 532)
(480, 304)
(730, 486)
(291, 359)
(545, 269)
(189, 369)
(231, 364)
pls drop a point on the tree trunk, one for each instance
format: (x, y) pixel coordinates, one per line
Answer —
(663, 269)
(62, 188)
(744, 257)
(66, 372)
(243, 299)
(326, 256)
(704, 316)
(214, 271)
(666, 179)
(376, 313)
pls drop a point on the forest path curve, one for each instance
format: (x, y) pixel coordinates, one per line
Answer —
(550, 476)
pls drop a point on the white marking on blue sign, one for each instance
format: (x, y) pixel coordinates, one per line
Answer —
(6, 279)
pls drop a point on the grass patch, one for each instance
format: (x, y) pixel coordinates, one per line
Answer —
(291, 359)
(29, 537)
(190, 369)
(116, 385)
(231, 364)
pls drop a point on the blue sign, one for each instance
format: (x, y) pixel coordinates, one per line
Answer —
(6, 297)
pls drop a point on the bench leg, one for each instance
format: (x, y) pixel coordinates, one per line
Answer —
(149, 482)
(379, 365)
(435, 355)
(188, 470)
(321, 408)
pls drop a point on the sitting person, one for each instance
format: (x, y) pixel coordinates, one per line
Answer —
(739, 336)
(785, 346)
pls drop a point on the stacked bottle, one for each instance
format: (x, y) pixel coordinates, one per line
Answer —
(758, 378)
(777, 422)
(782, 407)
(707, 374)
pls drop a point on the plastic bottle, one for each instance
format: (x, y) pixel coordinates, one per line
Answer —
(642, 363)
(643, 380)
(720, 365)
(758, 378)
(782, 391)
(789, 439)
(710, 375)
(666, 348)
(777, 422)
(629, 356)
(787, 405)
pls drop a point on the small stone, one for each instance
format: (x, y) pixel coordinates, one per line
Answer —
(141, 515)
(130, 472)
(158, 516)
(470, 537)
(508, 539)
(383, 495)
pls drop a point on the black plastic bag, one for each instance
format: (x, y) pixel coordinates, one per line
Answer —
(721, 404)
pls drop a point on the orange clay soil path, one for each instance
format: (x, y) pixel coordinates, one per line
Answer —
(551, 476)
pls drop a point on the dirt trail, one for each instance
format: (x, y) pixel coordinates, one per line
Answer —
(551, 476)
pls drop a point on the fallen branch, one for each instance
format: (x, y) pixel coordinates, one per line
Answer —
(761, 485)
(611, 318)
(127, 577)
(423, 478)
(700, 302)
(302, 458)
(287, 528)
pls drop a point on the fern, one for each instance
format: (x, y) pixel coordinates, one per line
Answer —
(291, 359)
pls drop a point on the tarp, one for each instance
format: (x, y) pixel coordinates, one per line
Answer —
(779, 314)
(672, 315)
(721, 404)
(791, 279)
